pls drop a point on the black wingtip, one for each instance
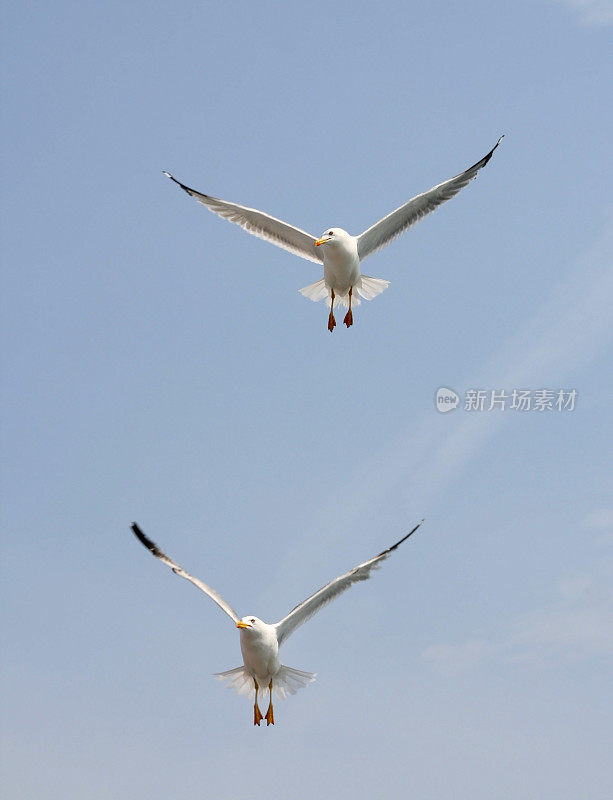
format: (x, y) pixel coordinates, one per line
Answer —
(404, 538)
(185, 188)
(174, 180)
(480, 164)
(142, 538)
(496, 145)
(491, 153)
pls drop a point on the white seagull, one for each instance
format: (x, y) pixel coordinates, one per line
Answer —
(340, 252)
(260, 641)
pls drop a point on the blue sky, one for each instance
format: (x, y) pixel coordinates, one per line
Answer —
(161, 366)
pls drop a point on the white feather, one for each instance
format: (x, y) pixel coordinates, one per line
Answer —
(340, 253)
(259, 224)
(387, 229)
(305, 610)
(366, 288)
(287, 680)
(260, 641)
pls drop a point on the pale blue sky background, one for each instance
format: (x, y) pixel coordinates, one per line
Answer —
(161, 366)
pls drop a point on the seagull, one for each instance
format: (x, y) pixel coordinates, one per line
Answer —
(260, 641)
(340, 253)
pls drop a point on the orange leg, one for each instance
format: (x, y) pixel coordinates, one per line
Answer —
(349, 315)
(270, 717)
(331, 320)
(257, 714)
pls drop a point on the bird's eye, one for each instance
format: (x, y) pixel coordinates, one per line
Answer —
(330, 234)
(252, 620)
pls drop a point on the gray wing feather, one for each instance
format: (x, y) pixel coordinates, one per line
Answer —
(259, 224)
(393, 225)
(303, 612)
(153, 548)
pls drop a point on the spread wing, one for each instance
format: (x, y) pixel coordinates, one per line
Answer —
(260, 224)
(153, 548)
(387, 229)
(332, 590)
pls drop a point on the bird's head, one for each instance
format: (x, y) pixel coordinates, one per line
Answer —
(331, 237)
(249, 623)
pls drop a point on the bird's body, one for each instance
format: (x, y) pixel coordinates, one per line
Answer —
(260, 641)
(260, 650)
(343, 281)
(341, 262)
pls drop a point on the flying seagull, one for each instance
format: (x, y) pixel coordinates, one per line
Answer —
(260, 641)
(340, 253)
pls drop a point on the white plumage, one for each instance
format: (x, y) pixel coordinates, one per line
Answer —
(340, 253)
(260, 641)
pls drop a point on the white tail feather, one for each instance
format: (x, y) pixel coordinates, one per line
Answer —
(370, 287)
(287, 680)
(238, 679)
(366, 287)
(316, 291)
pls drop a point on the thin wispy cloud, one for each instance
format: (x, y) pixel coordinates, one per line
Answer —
(600, 519)
(578, 623)
(575, 631)
(573, 326)
(591, 12)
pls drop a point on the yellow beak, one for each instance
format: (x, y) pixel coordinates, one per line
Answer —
(321, 241)
(241, 624)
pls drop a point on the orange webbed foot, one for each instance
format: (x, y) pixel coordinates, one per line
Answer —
(331, 322)
(270, 717)
(257, 715)
(348, 318)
